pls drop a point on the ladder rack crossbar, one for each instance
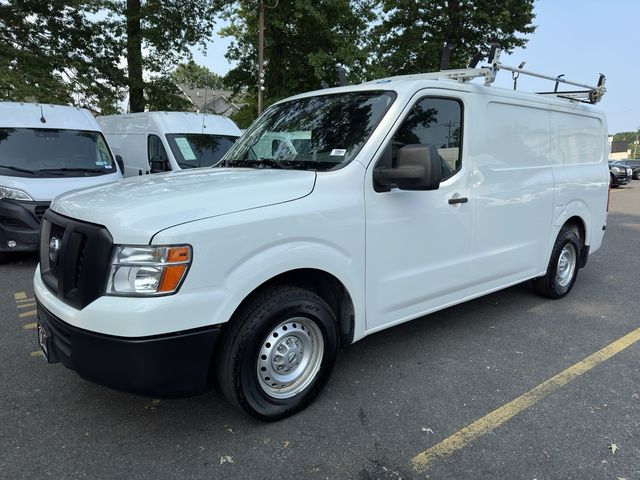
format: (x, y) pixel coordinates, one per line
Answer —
(592, 94)
(500, 66)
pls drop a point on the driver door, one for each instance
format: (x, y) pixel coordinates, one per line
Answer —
(418, 243)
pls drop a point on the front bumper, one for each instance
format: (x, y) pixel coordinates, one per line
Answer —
(166, 365)
(20, 222)
(619, 179)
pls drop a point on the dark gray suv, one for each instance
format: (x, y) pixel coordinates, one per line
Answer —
(634, 164)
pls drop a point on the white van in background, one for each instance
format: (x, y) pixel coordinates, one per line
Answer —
(152, 142)
(45, 150)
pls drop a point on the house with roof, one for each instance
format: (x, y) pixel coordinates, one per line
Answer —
(207, 100)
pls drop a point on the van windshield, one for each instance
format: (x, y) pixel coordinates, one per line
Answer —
(320, 133)
(52, 152)
(193, 150)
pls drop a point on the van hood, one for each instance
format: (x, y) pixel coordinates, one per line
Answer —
(135, 209)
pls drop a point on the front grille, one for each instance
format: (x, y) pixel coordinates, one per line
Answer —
(77, 275)
(39, 211)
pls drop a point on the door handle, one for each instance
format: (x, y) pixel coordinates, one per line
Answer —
(453, 201)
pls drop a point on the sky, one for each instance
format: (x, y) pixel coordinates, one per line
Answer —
(578, 38)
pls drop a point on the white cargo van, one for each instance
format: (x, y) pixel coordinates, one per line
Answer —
(45, 150)
(415, 193)
(152, 142)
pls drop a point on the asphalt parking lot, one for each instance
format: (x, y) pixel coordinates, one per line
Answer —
(506, 386)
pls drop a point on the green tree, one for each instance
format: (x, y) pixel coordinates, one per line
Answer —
(629, 138)
(154, 36)
(51, 51)
(73, 52)
(411, 36)
(305, 40)
(196, 76)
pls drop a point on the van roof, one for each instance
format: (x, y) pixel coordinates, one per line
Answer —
(409, 84)
(31, 115)
(171, 122)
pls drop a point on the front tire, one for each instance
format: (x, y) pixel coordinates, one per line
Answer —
(277, 352)
(562, 270)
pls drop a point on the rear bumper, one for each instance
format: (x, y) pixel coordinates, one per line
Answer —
(20, 222)
(166, 365)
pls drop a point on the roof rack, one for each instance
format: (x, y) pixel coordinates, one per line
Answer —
(591, 94)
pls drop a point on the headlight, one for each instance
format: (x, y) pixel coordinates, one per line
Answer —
(616, 169)
(142, 270)
(14, 194)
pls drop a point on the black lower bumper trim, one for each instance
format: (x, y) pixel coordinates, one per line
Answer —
(19, 223)
(167, 365)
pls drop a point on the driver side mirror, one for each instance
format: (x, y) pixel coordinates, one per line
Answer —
(120, 163)
(158, 164)
(418, 167)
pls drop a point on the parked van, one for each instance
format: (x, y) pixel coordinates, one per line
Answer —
(45, 150)
(415, 193)
(152, 142)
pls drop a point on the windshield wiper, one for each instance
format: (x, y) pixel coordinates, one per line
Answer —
(18, 169)
(87, 170)
(257, 163)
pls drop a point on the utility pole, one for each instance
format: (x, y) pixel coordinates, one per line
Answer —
(261, 7)
(635, 144)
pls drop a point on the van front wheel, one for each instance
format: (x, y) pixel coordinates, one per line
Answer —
(277, 352)
(563, 266)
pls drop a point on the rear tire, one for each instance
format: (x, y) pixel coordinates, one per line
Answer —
(277, 352)
(4, 258)
(562, 270)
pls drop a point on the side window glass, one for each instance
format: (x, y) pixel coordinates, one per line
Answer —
(434, 121)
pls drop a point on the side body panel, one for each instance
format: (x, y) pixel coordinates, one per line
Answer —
(513, 190)
(579, 157)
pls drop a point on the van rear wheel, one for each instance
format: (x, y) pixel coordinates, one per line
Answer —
(562, 270)
(277, 352)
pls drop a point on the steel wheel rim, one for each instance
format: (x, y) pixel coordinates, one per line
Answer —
(290, 357)
(566, 265)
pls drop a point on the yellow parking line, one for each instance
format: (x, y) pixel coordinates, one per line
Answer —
(25, 300)
(493, 420)
(37, 353)
(30, 326)
(30, 313)
(27, 305)
(19, 295)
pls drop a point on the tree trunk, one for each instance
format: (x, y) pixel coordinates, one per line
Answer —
(134, 57)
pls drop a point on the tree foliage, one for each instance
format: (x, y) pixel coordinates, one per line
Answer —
(629, 138)
(51, 51)
(154, 36)
(196, 76)
(305, 40)
(412, 33)
(75, 52)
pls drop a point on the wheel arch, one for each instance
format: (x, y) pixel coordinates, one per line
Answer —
(324, 284)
